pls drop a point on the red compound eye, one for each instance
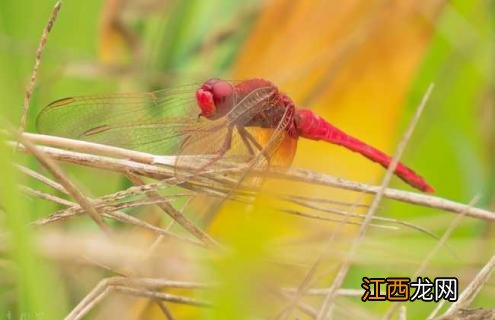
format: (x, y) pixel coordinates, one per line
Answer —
(205, 102)
(221, 91)
(214, 98)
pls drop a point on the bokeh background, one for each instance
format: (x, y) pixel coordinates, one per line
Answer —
(363, 65)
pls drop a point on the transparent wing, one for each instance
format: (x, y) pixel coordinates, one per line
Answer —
(222, 138)
(152, 122)
(165, 122)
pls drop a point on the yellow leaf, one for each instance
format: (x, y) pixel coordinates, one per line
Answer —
(349, 61)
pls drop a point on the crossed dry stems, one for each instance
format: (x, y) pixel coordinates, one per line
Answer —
(165, 173)
(216, 182)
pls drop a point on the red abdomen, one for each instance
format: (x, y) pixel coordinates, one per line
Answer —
(311, 126)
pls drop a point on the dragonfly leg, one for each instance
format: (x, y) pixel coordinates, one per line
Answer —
(247, 142)
(223, 149)
(248, 138)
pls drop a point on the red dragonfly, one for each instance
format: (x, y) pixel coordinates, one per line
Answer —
(250, 118)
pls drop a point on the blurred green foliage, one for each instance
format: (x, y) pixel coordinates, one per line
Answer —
(450, 136)
(453, 144)
(171, 36)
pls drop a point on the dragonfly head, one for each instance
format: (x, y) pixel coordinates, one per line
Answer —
(215, 98)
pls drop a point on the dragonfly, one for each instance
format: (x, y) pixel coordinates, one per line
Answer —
(250, 119)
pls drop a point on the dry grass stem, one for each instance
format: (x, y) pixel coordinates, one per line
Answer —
(160, 172)
(342, 273)
(41, 178)
(71, 188)
(308, 204)
(113, 212)
(125, 218)
(37, 62)
(307, 199)
(424, 200)
(426, 261)
(308, 277)
(324, 291)
(162, 296)
(467, 296)
(176, 215)
(104, 287)
(104, 207)
(346, 221)
(437, 309)
(90, 147)
(166, 311)
(46, 196)
(402, 313)
(304, 307)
